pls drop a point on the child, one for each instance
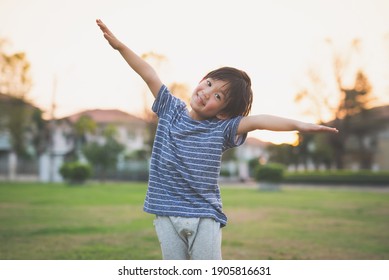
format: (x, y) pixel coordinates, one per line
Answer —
(183, 189)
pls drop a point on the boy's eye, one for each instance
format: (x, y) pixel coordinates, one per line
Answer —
(218, 96)
(209, 83)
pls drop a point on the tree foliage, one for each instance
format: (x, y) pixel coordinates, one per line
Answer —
(353, 102)
(18, 117)
(104, 156)
(15, 76)
(75, 172)
(84, 125)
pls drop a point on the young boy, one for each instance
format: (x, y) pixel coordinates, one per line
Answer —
(183, 189)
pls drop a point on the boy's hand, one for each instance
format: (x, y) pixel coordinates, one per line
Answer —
(140, 66)
(112, 40)
(310, 127)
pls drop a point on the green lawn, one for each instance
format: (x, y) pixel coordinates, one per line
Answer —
(106, 221)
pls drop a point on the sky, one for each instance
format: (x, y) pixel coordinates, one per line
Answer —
(276, 42)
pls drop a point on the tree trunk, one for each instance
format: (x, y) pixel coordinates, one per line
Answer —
(12, 164)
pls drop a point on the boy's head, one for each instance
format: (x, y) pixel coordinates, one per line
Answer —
(239, 95)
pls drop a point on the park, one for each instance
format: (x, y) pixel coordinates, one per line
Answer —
(102, 221)
(299, 89)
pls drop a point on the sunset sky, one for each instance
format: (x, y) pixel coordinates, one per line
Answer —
(275, 42)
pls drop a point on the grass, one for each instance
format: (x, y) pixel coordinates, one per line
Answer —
(106, 221)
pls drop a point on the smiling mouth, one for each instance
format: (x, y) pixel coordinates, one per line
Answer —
(200, 99)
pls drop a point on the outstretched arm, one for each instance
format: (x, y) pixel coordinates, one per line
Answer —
(139, 65)
(274, 123)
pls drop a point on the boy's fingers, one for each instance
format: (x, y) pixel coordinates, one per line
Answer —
(332, 129)
(101, 24)
(327, 128)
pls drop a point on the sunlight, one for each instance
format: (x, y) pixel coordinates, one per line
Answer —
(276, 137)
(275, 42)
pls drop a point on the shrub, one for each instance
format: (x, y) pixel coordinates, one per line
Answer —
(225, 173)
(362, 177)
(271, 172)
(75, 172)
(253, 165)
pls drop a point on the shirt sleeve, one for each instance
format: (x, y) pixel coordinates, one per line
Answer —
(232, 139)
(165, 101)
(160, 102)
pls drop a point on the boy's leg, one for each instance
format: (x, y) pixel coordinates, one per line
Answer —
(173, 246)
(207, 241)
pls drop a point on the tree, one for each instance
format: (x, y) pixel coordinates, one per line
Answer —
(15, 78)
(317, 94)
(104, 155)
(315, 148)
(18, 117)
(15, 83)
(283, 154)
(356, 99)
(352, 100)
(181, 91)
(353, 106)
(84, 125)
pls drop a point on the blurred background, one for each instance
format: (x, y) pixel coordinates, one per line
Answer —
(76, 129)
(67, 97)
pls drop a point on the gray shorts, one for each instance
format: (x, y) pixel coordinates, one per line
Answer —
(189, 238)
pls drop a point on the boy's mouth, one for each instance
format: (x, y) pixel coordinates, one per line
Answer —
(200, 100)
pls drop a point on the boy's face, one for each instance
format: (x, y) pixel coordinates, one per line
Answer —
(208, 100)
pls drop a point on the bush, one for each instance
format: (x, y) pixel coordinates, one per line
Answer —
(253, 165)
(271, 172)
(75, 172)
(225, 173)
(362, 177)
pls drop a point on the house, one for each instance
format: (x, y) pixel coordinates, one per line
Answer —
(131, 129)
(132, 133)
(20, 118)
(252, 148)
(375, 141)
(381, 154)
(6, 156)
(60, 145)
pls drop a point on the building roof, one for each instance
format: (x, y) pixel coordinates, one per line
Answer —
(6, 98)
(106, 116)
(377, 114)
(382, 112)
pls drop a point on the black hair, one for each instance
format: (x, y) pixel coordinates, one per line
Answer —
(239, 95)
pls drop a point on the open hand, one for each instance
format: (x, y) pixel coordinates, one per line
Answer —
(310, 127)
(108, 35)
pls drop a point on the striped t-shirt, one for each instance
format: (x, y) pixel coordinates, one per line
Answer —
(185, 161)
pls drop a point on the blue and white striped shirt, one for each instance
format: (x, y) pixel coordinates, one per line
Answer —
(185, 161)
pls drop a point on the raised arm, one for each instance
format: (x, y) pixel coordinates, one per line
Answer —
(140, 66)
(274, 123)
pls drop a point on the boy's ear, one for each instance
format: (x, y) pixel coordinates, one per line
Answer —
(222, 116)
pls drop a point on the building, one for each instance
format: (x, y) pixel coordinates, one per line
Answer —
(238, 167)
(19, 118)
(373, 139)
(132, 133)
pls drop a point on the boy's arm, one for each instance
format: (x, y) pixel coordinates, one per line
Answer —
(139, 65)
(274, 123)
